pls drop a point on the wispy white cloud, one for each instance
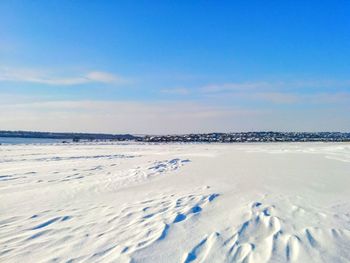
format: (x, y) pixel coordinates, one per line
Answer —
(234, 87)
(270, 86)
(286, 98)
(52, 78)
(307, 99)
(104, 77)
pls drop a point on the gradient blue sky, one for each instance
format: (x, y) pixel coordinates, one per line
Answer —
(174, 66)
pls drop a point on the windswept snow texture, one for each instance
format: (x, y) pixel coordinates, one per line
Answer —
(105, 202)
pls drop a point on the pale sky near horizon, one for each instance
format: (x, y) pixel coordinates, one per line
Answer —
(174, 66)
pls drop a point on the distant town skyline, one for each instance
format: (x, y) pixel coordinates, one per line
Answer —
(165, 67)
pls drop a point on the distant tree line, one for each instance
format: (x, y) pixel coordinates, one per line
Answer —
(262, 136)
(67, 136)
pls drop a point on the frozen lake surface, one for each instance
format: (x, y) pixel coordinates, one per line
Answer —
(104, 202)
(15, 140)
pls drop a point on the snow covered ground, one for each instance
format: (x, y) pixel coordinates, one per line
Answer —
(175, 203)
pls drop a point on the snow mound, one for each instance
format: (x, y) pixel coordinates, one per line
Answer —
(269, 235)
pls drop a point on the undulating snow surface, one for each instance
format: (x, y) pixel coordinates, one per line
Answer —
(175, 203)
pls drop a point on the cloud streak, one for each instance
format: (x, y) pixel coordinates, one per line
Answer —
(239, 86)
(272, 86)
(49, 78)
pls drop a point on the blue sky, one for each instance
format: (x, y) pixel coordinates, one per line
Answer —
(174, 66)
